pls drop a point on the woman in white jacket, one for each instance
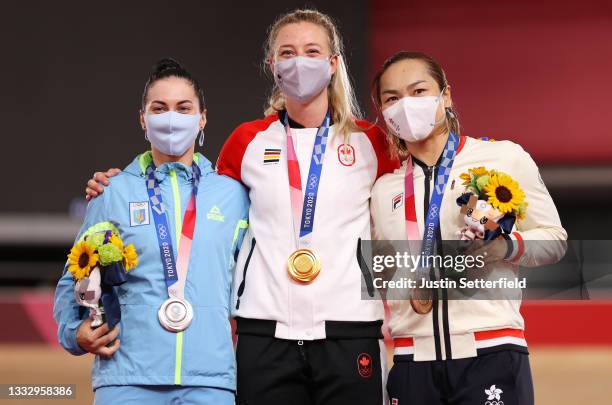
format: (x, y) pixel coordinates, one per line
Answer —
(455, 351)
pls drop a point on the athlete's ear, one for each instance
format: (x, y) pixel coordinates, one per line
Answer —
(141, 119)
(334, 60)
(203, 119)
(448, 100)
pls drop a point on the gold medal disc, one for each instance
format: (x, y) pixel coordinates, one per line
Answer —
(303, 266)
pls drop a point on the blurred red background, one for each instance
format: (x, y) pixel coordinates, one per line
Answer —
(534, 72)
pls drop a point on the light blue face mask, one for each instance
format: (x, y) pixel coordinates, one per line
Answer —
(172, 133)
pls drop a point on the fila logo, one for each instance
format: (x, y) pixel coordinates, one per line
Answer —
(271, 156)
(346, 155)
(397, 201)
(139, 213)
(215, 214)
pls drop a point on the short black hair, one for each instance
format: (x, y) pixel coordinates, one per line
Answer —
(169, 67)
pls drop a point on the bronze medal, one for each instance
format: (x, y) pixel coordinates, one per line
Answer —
(421, 301)
(303, 266)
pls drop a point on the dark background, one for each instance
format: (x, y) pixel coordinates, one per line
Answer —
(73, 75)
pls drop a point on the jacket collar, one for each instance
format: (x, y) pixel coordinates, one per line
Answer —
(139, 165)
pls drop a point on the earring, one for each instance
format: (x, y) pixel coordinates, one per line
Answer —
(450, 113)
(146, 136)
(201, 141)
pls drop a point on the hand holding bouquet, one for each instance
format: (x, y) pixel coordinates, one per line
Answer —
(97, 263)
(491, 204)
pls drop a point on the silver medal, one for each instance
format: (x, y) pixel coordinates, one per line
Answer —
(175, 314)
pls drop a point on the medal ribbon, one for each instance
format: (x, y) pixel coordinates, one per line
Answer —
(175, 271)
(304, 215)
(432, 220)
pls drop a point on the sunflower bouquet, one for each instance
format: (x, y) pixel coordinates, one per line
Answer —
(491, 204)
(97, 263)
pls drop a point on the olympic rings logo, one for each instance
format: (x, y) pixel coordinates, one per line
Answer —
(312, 181)
(163, 232)
(494, 403)
(434, 213)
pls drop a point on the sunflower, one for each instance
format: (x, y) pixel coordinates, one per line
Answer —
(130, 257)
(473, 174)
(115, 240)
(466, 177)
(504, 193)
(478, 171)
(81, 259)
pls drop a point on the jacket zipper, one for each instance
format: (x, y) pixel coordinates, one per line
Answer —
(429, 171)
(244, 273)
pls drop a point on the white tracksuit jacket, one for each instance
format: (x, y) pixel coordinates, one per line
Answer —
(465, 327)
(330, 306)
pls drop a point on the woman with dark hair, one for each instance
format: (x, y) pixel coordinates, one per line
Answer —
(174, 344)
(450, 187)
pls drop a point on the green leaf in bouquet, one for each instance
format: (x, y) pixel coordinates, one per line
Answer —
(109, 254)
(96, 239)
(481, 182)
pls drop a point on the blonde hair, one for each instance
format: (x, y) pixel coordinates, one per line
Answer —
(344, 107)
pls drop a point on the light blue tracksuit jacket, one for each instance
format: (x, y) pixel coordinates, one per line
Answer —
(203, 354)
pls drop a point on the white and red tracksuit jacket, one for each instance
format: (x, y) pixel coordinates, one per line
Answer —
(331, 306)
(459, 328)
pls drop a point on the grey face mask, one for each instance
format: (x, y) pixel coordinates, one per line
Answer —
(172, 133)
(302, 78)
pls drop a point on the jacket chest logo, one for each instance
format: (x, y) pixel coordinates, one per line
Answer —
(215, 214)
(271, 156)
(397, 201)
(346, 155)
(139, 213)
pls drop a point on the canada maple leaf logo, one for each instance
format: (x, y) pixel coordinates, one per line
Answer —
(494, 393)
(364, 361)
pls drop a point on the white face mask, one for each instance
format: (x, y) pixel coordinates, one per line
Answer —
(172, 133)
(413, 118)
(302, 78)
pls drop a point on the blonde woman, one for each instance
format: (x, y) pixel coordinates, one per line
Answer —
(306, 336)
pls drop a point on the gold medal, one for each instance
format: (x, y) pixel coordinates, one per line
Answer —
(303, 266)
(421, 300)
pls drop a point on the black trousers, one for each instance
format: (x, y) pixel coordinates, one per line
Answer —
(496, 378)
(273, 371)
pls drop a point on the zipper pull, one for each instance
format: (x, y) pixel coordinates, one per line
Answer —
(428, 172)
